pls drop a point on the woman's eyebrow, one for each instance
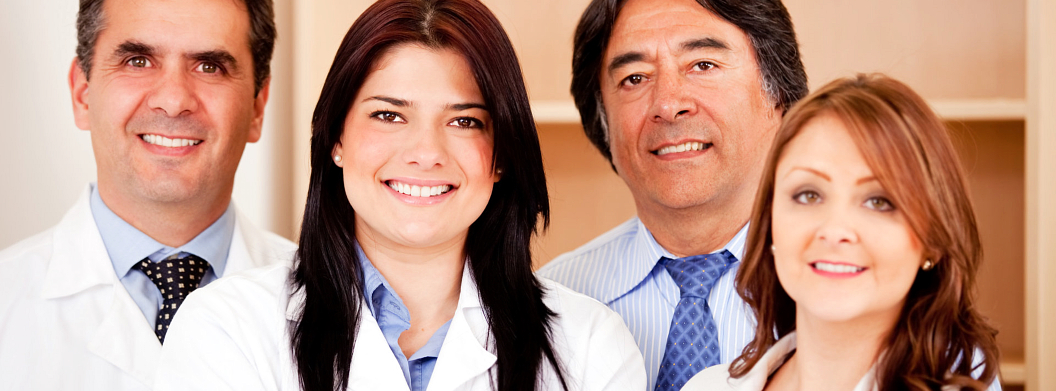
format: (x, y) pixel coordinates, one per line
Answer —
(466, 106)
(390, 100)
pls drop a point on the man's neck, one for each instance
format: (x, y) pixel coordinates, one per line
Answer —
(171, 224)
(701, 229)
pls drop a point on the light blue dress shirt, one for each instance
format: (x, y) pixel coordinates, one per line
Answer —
(393, 318)
(621, 269)
(127, 245)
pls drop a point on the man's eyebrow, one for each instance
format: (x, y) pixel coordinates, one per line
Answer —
(221, 57)
(624, 59)
(133, 48)
(392, 101)
(704, 43)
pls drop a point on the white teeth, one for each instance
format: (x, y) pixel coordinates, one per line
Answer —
(686, 146)
(834, 268)
(169, 142)
(419, 191)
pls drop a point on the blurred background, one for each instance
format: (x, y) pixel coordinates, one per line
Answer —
(986, 66)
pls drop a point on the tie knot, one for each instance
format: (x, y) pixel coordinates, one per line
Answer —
(176, 277)
(696, 275)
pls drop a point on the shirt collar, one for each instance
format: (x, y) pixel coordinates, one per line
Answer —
(372, 280)
(646, 256)
(127, 245)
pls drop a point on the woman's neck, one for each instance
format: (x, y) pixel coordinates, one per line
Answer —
(428, 280)
(833, 355)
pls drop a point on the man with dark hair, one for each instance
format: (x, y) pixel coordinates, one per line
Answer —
(683, 97)
(171, 91)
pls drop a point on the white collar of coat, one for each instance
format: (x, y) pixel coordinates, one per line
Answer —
(465, 354)
(468, 297)
(776, 356)
(79, 260)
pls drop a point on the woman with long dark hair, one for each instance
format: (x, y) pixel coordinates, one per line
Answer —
(863, 252)
(414, 266)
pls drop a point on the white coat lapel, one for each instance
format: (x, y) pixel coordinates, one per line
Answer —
(125, 339)
(463, 356)
(374, 367)
(80, 262)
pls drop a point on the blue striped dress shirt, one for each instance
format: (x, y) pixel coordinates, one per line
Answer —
(621, 269)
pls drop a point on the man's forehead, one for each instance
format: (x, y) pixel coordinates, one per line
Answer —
(642, 25)
(177, 26)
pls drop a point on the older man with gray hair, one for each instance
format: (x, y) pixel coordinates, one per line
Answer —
(683, 97)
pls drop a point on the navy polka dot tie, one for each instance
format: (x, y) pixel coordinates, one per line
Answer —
(693, 339)
(175, 278)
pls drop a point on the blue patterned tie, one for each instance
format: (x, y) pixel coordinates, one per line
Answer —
(693, 339)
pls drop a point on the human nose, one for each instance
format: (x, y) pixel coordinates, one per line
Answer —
(837, 227)
(174, 94)
(427, 148)
(670, 100)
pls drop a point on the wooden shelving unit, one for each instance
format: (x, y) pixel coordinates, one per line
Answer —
(564, 111)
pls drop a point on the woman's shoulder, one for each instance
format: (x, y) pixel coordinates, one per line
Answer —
(572, 306)
(250, 296)
(592, 342)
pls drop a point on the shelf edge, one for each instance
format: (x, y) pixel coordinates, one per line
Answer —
(564, 112)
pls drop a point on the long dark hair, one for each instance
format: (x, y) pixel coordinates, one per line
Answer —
(940, 334)
(498, 243)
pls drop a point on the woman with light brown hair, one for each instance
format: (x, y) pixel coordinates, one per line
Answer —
(863, 252)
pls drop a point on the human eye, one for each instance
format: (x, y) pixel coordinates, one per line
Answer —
(209, 67)
(387, 116)
(632, 80)
(807, 197)
(467, 122)
(138, 62)
(880, 204)
(704, 66)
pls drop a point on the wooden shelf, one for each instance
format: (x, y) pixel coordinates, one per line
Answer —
(980, 109)
(564, 112)
(1013, 371)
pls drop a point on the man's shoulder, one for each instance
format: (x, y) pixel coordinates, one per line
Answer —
(23, 264)
(261, 246)
(36, 247)
(608, 247)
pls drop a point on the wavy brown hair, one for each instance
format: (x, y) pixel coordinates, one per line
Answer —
(940, 337)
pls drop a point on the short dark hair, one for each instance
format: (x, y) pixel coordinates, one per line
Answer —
(498, 245)
(262, 33)
(766, 22)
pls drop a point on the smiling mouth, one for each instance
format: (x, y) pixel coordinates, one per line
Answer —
(838, 268)
(419, 191)
(163, 141)
(684, 147)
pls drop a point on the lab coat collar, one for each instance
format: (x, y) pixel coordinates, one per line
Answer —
(463, 355)
(79, 260)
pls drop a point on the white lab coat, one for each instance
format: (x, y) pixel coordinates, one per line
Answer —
(67, 322)
(717, 378)
(234, 335)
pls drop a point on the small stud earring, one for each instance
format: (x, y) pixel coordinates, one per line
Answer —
(927, 265)
(498, 171)
(337, 158)
(773, 249)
